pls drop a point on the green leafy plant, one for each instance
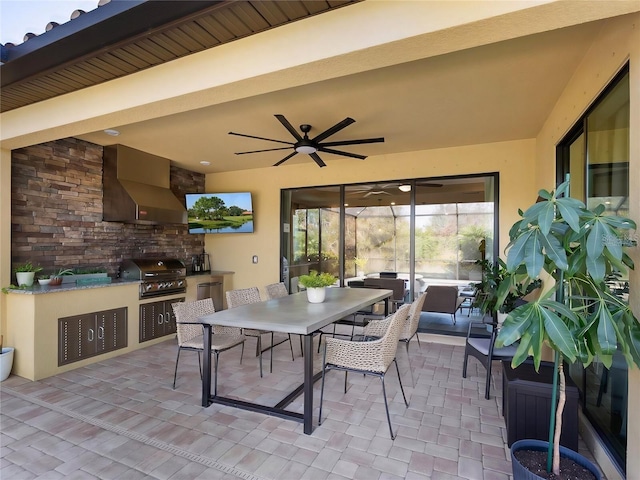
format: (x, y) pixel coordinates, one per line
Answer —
(27, 267)
(317, 280)
(493, 275)
(62, 272)
(579, 317)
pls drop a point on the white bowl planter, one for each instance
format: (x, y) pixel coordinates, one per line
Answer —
(316, 295)
(6, 362)
(44, 281)
(25, 278)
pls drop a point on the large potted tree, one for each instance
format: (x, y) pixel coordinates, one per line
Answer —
(577, 317)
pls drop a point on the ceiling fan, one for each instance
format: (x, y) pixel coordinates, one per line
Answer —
(311, 146)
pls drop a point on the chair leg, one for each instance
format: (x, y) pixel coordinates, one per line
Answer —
(324, 369)
(175, 373)
(345, 381)
(241, 352)
(386, 406)
(488, 385)
(464, 364)
(301, 349)
(406, 343)
(291, 346)
(418, 338)
(199, 365)
(400, 381)
(453, 318)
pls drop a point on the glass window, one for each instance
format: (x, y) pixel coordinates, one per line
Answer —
(595, 155)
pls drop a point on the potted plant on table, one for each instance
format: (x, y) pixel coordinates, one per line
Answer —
(25, 273)
(315, 283)
(579, 316)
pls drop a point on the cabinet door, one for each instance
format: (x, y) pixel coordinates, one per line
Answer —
(169, 317)
(150, 315)
(111, 330)
(77, 338)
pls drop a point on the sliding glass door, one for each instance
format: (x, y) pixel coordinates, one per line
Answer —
(422, 230)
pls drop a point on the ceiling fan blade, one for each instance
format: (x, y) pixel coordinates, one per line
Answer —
(336, 128)
(285, 158)
(266, 150)
(289, 127)
(260, 138)
(317, 159)
(352, 142)
(340, 152)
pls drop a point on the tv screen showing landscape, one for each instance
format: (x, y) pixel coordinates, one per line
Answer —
(220, 212)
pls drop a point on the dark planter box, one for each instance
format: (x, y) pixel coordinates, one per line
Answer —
(526, 403)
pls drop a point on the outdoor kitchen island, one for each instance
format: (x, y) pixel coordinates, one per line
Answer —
(35, 316)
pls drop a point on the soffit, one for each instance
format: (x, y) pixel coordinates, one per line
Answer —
(121, 38)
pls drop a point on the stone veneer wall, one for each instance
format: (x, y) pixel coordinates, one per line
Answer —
(56, 212)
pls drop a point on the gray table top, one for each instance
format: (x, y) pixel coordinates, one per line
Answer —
(294, 313)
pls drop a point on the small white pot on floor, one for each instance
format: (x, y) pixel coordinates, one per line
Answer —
(6, 362)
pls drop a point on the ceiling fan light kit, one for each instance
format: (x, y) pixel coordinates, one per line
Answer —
(311, 146)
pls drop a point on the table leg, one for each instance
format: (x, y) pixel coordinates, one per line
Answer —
(308, 384)
(206, 366)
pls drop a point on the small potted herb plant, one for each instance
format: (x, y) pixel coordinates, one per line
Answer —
(315, 283)
(56, 278)
(25, 273)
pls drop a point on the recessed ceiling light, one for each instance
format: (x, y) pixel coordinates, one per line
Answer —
(404, 188)
(111, 131)
(204, 162)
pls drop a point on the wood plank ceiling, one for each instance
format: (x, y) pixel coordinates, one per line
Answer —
(142, 36)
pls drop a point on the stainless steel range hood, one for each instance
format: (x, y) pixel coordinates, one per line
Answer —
(136, 188)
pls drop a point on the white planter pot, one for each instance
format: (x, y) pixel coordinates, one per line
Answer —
(6, 362)
(25, 278)
(316, 295)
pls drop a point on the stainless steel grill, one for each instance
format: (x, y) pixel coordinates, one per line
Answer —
(159, 276)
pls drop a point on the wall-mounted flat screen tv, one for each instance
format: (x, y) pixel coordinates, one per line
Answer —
(220, 212)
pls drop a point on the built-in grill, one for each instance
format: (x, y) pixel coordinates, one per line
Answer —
(159, 276)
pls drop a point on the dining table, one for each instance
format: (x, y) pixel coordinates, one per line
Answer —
(292, 314)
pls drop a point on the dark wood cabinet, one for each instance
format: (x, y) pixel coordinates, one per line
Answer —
(89, 334)
(157, 320)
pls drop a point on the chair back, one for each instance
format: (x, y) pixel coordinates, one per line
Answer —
(441, 299)
(276, 290)
(242, 296)
(190, 312)
(395, 284)
(413, 319)
(388, 274)
(391, 338)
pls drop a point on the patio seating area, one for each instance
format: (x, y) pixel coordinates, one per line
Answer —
(120, 418)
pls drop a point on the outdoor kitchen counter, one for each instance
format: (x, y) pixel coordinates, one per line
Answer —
(32, 322)
(67, 287)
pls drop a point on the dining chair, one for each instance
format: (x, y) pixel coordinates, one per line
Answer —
(395, 284)
(409, 328)
(483, 349)
(190, 334)
(245, 296)
(371, 356)
(279, 290)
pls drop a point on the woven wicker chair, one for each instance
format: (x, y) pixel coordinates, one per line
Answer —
(244, 296)
(369, 357)
(191, 334)
(409, 329)
(279, 290)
